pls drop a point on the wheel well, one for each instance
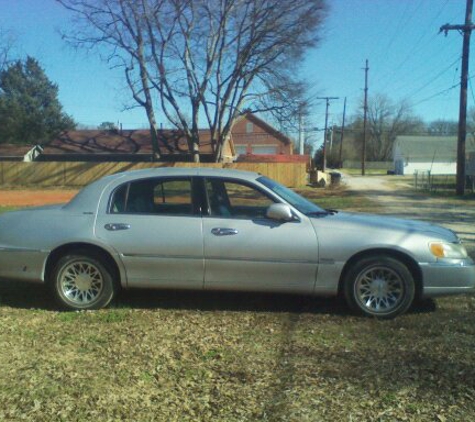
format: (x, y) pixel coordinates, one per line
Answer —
(410, 263)
(83, 248)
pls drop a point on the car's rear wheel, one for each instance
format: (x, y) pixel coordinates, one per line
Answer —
(379, 286)
(82, 282)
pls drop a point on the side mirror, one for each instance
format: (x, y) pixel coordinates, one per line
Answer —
(279, 212)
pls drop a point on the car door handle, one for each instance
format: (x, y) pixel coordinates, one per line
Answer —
(223, 231)
(117, 226)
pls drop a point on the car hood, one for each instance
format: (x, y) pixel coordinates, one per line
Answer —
(365, 223)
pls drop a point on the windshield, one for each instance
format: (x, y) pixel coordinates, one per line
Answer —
(294, 199)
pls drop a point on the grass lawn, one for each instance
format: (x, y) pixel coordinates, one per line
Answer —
(339, 198)
(171, 356)
(188, 356)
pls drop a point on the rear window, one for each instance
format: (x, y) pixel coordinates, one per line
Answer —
(154, 196)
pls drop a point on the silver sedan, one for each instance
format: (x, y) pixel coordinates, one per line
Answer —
(210, 229)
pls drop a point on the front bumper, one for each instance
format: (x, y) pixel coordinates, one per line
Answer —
(447, 279)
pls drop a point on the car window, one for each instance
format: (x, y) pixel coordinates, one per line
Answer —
(293, 198)
(154, 196)
(236, 200)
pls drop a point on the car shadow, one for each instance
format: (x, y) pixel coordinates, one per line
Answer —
(21, 295)
(229, 301)
(245, 301)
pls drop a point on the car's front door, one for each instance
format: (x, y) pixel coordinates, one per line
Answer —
(244, 250)
(155, 226)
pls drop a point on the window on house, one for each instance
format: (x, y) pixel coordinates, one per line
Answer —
(264, 149)
(240, 149)
(249, 127)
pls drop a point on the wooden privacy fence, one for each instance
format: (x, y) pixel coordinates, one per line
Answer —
(78, 174)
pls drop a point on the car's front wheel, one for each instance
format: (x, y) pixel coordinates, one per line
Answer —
(82, 282)
(379, 286)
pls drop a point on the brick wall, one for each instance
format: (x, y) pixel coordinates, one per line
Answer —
(252, 137)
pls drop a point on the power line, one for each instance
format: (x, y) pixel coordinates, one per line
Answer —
(437, 94)
(442, 72)
(415, 46)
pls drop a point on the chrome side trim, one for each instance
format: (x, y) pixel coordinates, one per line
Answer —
(134, 255)
(215, 258)
(13, 249)
(272, 261)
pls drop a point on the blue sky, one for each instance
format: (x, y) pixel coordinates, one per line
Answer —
(408, 59)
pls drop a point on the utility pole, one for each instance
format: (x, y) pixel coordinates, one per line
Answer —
(365, 118)
(301, 133)
(327, 99)
(466, 30)
(340, 159)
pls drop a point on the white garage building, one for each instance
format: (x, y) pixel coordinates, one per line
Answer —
(437, 154)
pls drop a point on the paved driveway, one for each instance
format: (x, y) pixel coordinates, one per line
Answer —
(398, 199)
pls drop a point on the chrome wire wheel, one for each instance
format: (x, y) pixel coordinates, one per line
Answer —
(379, 286)
(380, 289)
(81, 283)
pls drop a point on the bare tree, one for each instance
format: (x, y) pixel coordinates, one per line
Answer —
(470, 121)
(441, 127)
(287, 103)
(192, 59)
(7, 43)
(386, 120)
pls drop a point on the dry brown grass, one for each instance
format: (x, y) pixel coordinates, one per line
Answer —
(174, 356)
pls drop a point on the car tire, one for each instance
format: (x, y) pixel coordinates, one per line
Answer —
(379, 286)
(82, 282)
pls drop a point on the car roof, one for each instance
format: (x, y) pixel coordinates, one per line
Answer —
(187, 171)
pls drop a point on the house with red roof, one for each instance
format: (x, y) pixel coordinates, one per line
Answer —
(251, 139)
(123, 145)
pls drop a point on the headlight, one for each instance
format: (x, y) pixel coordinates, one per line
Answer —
(448, 250)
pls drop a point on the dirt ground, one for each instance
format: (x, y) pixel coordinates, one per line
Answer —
(398, 198)
(22, 198)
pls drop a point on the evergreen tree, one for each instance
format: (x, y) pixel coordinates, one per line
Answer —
(30, 111)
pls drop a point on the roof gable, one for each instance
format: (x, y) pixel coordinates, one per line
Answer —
(266, 127)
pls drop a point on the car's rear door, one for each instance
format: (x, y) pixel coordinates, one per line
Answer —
(155, 225)
(244, 250)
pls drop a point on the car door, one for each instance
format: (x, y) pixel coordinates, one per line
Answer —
(155, 226)
(244, 250)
